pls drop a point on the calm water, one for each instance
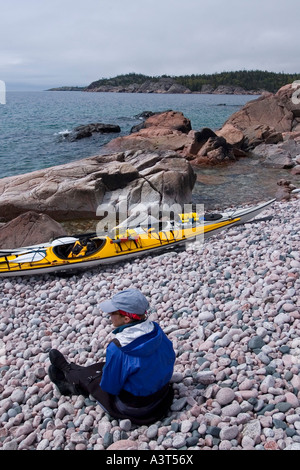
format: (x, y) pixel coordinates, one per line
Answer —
(245, 181)
(33, 125)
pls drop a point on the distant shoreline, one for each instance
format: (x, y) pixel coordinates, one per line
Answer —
(235, 91)
(253, 82)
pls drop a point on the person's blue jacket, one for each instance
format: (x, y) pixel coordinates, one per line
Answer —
(141, 364)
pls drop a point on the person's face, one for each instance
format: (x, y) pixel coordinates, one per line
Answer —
(118, 320)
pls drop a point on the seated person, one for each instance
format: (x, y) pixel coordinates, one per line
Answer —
(134, 381)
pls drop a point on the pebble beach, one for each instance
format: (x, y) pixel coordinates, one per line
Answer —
(231, 307)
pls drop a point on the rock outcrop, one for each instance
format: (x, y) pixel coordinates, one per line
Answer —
(29, 228)
(265, 119)
(284, 191)
(171, 130)
(282, 155)
(208, 148)
(268, 128)
(228, 90)
(77, 189)
(87, 130)
(161, 131)
(172, 120)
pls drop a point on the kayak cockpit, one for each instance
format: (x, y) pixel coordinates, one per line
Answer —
(81, 248)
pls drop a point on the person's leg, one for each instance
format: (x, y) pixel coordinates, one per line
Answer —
(105, 400)
(70, 378)
(84, 379)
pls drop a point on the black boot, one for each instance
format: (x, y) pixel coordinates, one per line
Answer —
(61, 372)
(58, 378)
(58, 360)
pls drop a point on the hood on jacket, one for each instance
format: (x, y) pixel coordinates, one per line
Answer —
(140, 339)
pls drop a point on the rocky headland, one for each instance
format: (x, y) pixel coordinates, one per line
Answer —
(241, 82)
(163, 85)
(169, 85)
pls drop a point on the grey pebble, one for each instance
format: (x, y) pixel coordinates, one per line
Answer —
(152, 431)
(179, 441)
(177, 405)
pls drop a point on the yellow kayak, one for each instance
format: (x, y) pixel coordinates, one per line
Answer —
(89, 250)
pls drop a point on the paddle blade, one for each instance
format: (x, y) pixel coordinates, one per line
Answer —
(64, 241)
(29, 257)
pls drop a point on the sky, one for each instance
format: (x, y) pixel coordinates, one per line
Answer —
(51, 43)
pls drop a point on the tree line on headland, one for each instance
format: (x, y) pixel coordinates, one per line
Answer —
(246, 79)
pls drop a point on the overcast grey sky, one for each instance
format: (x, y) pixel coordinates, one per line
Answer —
(48, 43)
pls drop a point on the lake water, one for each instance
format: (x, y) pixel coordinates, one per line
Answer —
(33, 125)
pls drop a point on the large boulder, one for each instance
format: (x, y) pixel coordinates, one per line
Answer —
(261, 133)
(172, 120)
(171, 130)
(232, 134)
(29, 228)
(77, 189)
(284, 192)
(281, 155)
(213, 152)
(87, 130)
(206, 148)
(163, 131)
(265, 119)
(288, 96)
(267, 110)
